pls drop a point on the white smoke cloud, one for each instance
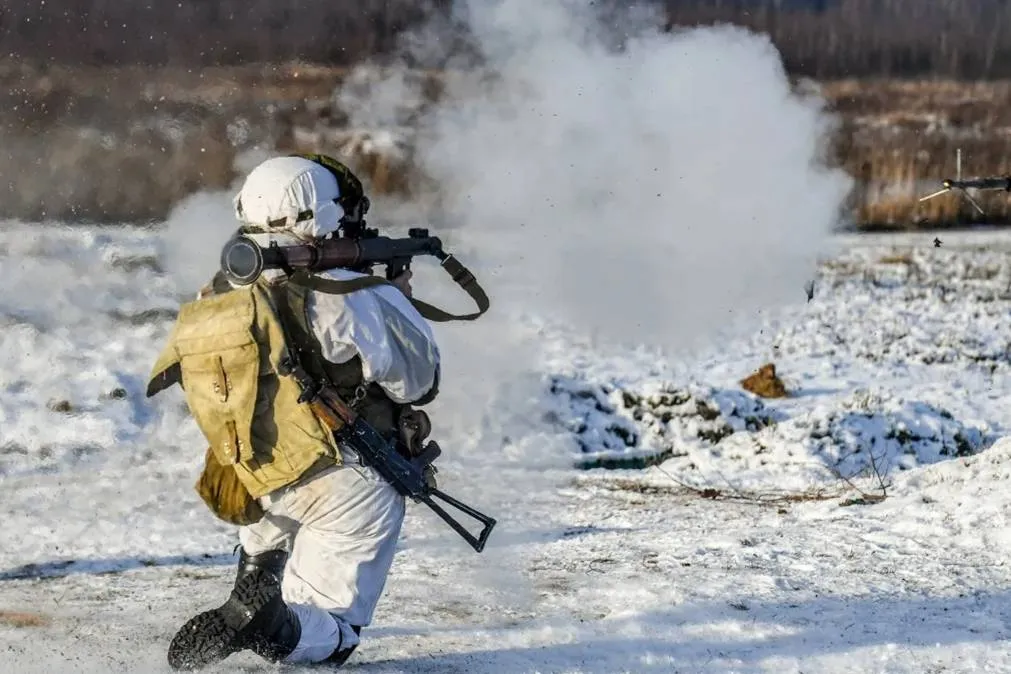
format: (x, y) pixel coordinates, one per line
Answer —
(194, 234)
(643, 194)
(640, 187)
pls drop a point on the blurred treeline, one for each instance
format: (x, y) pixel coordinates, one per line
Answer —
(818, 38)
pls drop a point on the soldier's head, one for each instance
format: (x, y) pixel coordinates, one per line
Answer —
(310, 196)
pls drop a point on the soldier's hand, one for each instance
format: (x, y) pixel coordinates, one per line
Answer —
(403, 282)
(429, 474)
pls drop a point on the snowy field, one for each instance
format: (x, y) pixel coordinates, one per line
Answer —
(860, 525)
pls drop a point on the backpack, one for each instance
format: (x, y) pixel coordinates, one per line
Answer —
(224, 351)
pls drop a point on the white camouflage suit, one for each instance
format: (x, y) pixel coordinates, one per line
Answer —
(341, 527)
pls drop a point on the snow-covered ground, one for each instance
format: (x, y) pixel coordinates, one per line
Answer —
(761, 544)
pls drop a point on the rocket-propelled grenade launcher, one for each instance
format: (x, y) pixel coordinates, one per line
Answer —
(243, 260)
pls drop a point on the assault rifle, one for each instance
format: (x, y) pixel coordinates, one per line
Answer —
(410, 477)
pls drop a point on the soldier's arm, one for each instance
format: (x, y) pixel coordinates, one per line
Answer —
(396, 346)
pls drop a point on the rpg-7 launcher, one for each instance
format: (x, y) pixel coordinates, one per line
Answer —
(243, 260)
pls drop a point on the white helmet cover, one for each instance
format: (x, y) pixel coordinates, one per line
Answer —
(290, 194)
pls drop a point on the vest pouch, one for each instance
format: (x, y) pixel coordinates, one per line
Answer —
(224, 352)
(220, 375)
(221, 490)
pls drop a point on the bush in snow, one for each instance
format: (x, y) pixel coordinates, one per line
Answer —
(617, 427)
(875, 432)
(706, 431)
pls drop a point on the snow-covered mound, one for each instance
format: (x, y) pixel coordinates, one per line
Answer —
(975, 488)
(876, 430)
(617, 427)
(702, 432)
(910, 305)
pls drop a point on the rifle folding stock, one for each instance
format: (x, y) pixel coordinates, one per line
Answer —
(476, 542)
(408, 477)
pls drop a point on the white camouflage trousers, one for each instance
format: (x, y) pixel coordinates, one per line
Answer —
(341, 531)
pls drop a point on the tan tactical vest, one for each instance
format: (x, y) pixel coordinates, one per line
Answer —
(224, 351)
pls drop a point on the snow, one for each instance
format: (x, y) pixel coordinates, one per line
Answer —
(859, 525)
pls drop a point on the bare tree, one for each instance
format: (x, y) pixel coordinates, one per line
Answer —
(819, 38)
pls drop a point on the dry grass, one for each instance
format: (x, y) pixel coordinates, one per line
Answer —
(894, 168)
(728, 493)
(765, 383)
(22, 619)
(899, 140)
(81, 174)
(898, 258)
(291, 82)
(963, 103)
(127, 143)
(84, 145)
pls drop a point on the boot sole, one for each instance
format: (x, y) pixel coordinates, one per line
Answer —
(214, 635)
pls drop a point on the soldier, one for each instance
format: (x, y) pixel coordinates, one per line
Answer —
(318, 530)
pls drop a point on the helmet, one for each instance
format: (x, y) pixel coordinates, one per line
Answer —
(310, 196)
(352, 195)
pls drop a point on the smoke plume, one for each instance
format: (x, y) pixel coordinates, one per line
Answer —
(608, 182)
(644, 192)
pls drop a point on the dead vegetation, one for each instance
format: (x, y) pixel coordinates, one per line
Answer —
(898, 140)
(83, 174)
(846, 490)
(93, 146)
(726, 492)
(22, 619)
(765, 383)
(125, 143)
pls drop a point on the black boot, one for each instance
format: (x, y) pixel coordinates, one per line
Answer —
(254, 617)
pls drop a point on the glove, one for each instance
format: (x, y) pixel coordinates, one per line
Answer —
(414, 426)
